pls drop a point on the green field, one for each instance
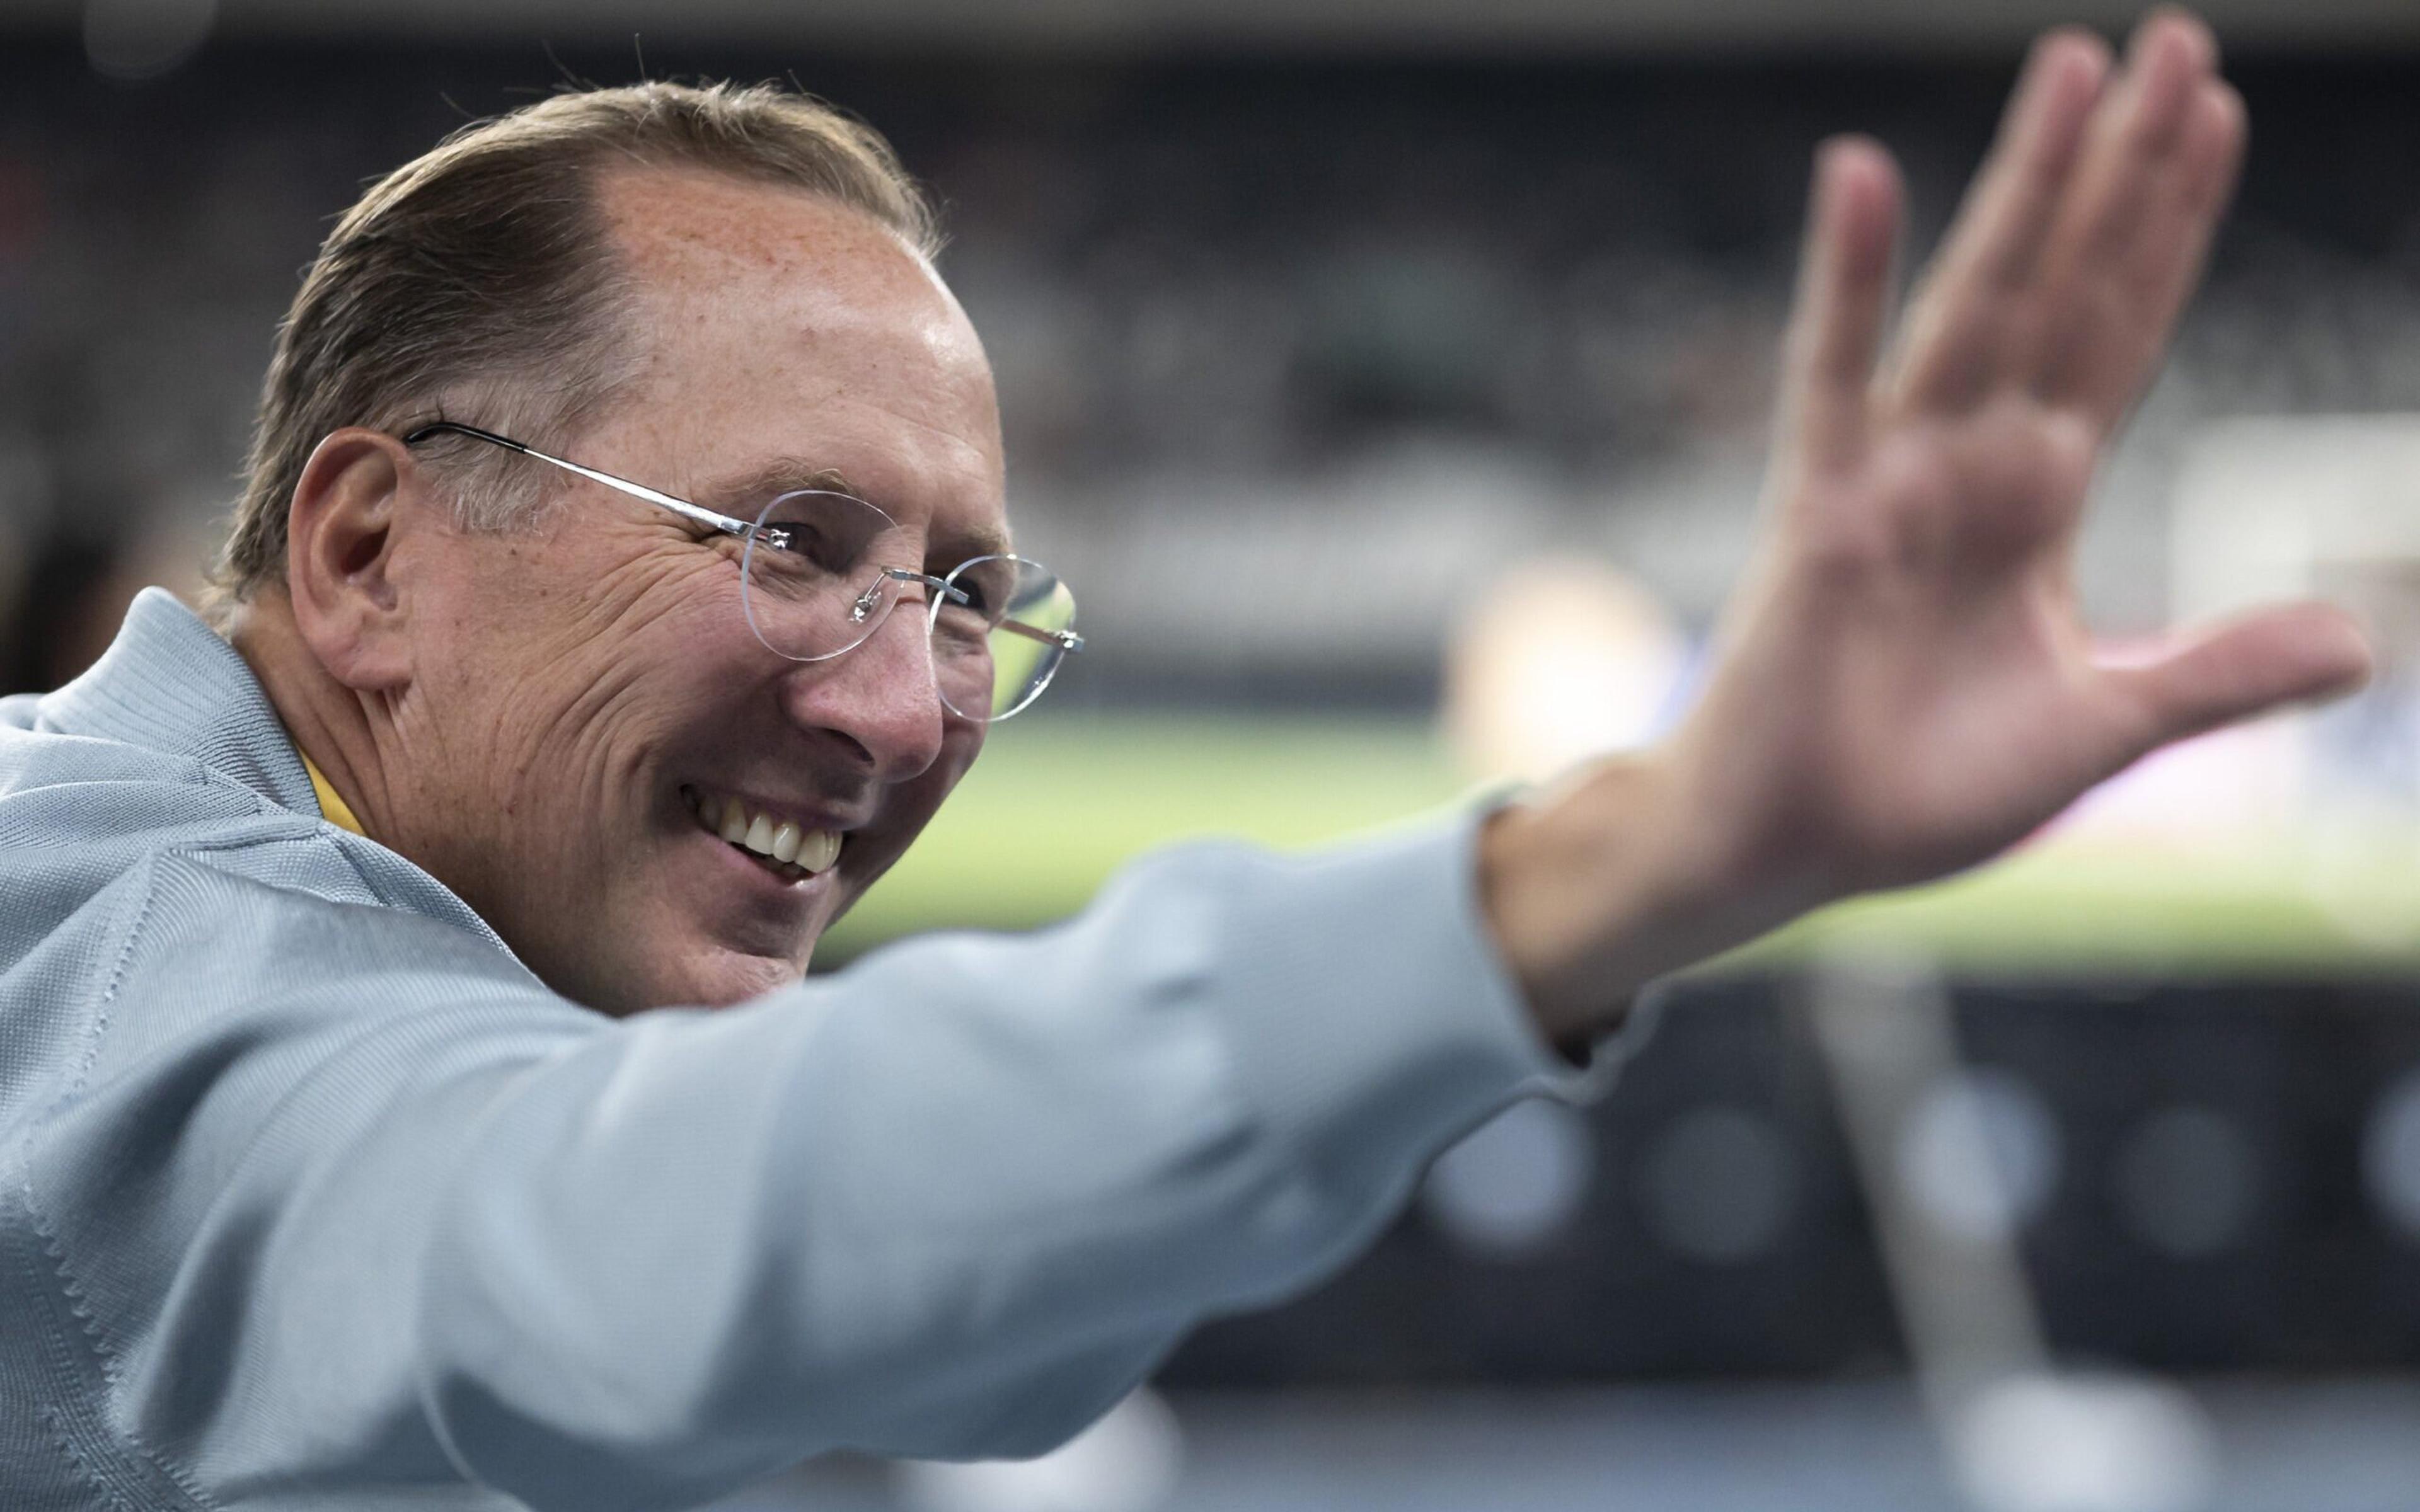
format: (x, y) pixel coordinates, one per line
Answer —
(1055, 805)
(1059, 802)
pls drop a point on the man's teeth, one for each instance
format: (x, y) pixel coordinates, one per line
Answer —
(778, 840)
(819, 849)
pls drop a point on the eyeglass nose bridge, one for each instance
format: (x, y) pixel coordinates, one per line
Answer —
(868, 601)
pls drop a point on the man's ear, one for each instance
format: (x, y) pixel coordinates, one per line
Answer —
(355, 503)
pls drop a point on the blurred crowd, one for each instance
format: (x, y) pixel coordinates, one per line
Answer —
(1405, 319)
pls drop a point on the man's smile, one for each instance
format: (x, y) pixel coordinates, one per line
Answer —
(790, 848)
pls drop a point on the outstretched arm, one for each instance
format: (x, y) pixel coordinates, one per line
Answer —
(1903, 684)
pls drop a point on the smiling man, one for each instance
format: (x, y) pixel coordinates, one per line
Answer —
(621, 584)
(555, 721)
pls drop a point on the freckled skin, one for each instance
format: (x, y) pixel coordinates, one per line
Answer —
(570, 680)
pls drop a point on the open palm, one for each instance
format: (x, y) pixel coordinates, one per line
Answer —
(1904, 684)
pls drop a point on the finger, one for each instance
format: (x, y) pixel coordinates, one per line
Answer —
(2236, 670)
(2119, 318)
(2155, 164)
(1843, 287)
(1952, 342)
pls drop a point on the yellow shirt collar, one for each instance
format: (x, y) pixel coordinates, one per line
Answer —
(332, 807)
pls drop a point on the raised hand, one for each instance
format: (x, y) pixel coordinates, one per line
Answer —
(1903, 686)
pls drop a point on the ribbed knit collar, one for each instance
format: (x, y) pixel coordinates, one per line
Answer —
(170, 684)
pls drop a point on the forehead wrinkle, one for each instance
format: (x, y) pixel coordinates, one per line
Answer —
(839, 315)
(833, 281)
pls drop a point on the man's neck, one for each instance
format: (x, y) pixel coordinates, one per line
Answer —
(325, 718)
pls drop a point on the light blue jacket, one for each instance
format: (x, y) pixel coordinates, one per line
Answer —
(313, 1197)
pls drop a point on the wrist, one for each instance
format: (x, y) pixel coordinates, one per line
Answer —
(1619, 873)
(1574, 879)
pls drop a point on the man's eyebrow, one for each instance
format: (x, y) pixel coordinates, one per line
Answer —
(965, 546)
(750, 492)
(745, 494)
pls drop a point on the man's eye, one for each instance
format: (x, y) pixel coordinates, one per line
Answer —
(986, 585)
(820, 531)
(808, 543)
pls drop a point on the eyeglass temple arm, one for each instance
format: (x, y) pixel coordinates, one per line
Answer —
(1063, 639)
(697, 513)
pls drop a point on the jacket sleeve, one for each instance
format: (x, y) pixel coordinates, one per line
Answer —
(415, 1218)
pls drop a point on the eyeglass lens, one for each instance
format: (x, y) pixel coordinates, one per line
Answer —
(816, 585)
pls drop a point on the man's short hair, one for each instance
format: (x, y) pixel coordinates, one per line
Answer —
(482, 275)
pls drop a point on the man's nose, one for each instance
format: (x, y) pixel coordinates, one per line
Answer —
(881, 696)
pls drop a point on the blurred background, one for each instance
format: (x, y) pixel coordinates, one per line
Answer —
(1390, 378)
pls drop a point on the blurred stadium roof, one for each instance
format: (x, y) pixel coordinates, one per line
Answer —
(1516, 26)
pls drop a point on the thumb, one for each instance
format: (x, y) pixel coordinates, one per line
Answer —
(2232, 671)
